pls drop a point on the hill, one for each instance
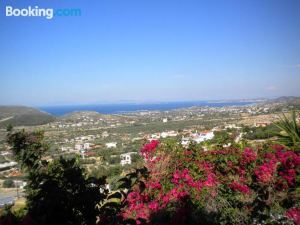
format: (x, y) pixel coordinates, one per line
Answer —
(23, 116)
(287, 100)
(79, 115)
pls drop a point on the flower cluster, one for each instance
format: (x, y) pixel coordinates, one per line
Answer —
(282, 163)
(239, 187)
(148, 149)
(265, 173)
(289, 161)
(248, 156)
(202, 176)
(294, 214)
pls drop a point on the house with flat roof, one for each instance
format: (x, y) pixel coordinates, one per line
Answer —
(126, 158)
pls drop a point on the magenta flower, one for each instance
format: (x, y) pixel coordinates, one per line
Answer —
(239, 187)
(294, 214)
(248, 156)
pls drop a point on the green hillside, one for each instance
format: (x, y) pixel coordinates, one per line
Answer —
(23, 116)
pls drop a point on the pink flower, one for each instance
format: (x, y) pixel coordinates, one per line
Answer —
(154, 206)
(288, 159)
(294, 214)
(155, 185)
(265, 173)
(248, 156)
(148, 148)
(176, 177)
(166, 199)
(239, 187)
(210, 181)
(288, 175)
(133, 197)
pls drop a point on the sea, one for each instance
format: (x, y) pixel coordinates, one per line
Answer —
(134, 107)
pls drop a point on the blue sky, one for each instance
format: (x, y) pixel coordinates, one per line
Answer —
(150, 50)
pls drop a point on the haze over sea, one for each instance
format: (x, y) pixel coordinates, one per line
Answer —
(133, 107)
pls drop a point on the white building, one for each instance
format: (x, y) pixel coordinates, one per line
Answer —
(105, 134)
(197, 137)
(204, 136)
(238, 138)
(232, 126)
(155, 136)
(165, 120)
(86, 146)
(126, 158)
(171, 133)
(111, 145)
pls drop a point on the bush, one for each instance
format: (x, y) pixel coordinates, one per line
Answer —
(228, 186)
(114, 160)
(9, 183)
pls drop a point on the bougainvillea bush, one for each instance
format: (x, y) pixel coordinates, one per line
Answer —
(228, 186)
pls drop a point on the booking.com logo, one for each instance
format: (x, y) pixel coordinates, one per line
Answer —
(35, 11)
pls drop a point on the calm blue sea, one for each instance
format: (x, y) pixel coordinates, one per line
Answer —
(123, 108)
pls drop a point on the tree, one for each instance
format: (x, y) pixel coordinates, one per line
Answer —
(27, 148)
(9, 183)
(9, 127)
(58, 192)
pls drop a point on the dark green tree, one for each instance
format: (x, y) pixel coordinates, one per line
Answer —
(9, 183)
(9, 128)
(58, 192)
(27, 148)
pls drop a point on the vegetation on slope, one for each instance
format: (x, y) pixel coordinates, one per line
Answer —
(23, 116)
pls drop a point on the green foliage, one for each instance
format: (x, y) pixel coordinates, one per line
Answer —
(110, 208)
(255, 133)
(114, 160)
(9, 127)
(87, 161)
(23, 116)
(221, 138)
(8, 183)
(27, 148)
(7, 217)
(290, 130)
(115, 170)
(58, 192)
(135, 158)
(99, 171)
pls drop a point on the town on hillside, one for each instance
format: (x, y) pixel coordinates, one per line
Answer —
(109, 145)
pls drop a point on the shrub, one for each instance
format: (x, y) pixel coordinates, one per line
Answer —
(228, 186)
(9, 183)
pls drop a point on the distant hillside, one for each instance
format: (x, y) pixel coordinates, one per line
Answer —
(286, 101)
(81, 114)
(23, 116)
